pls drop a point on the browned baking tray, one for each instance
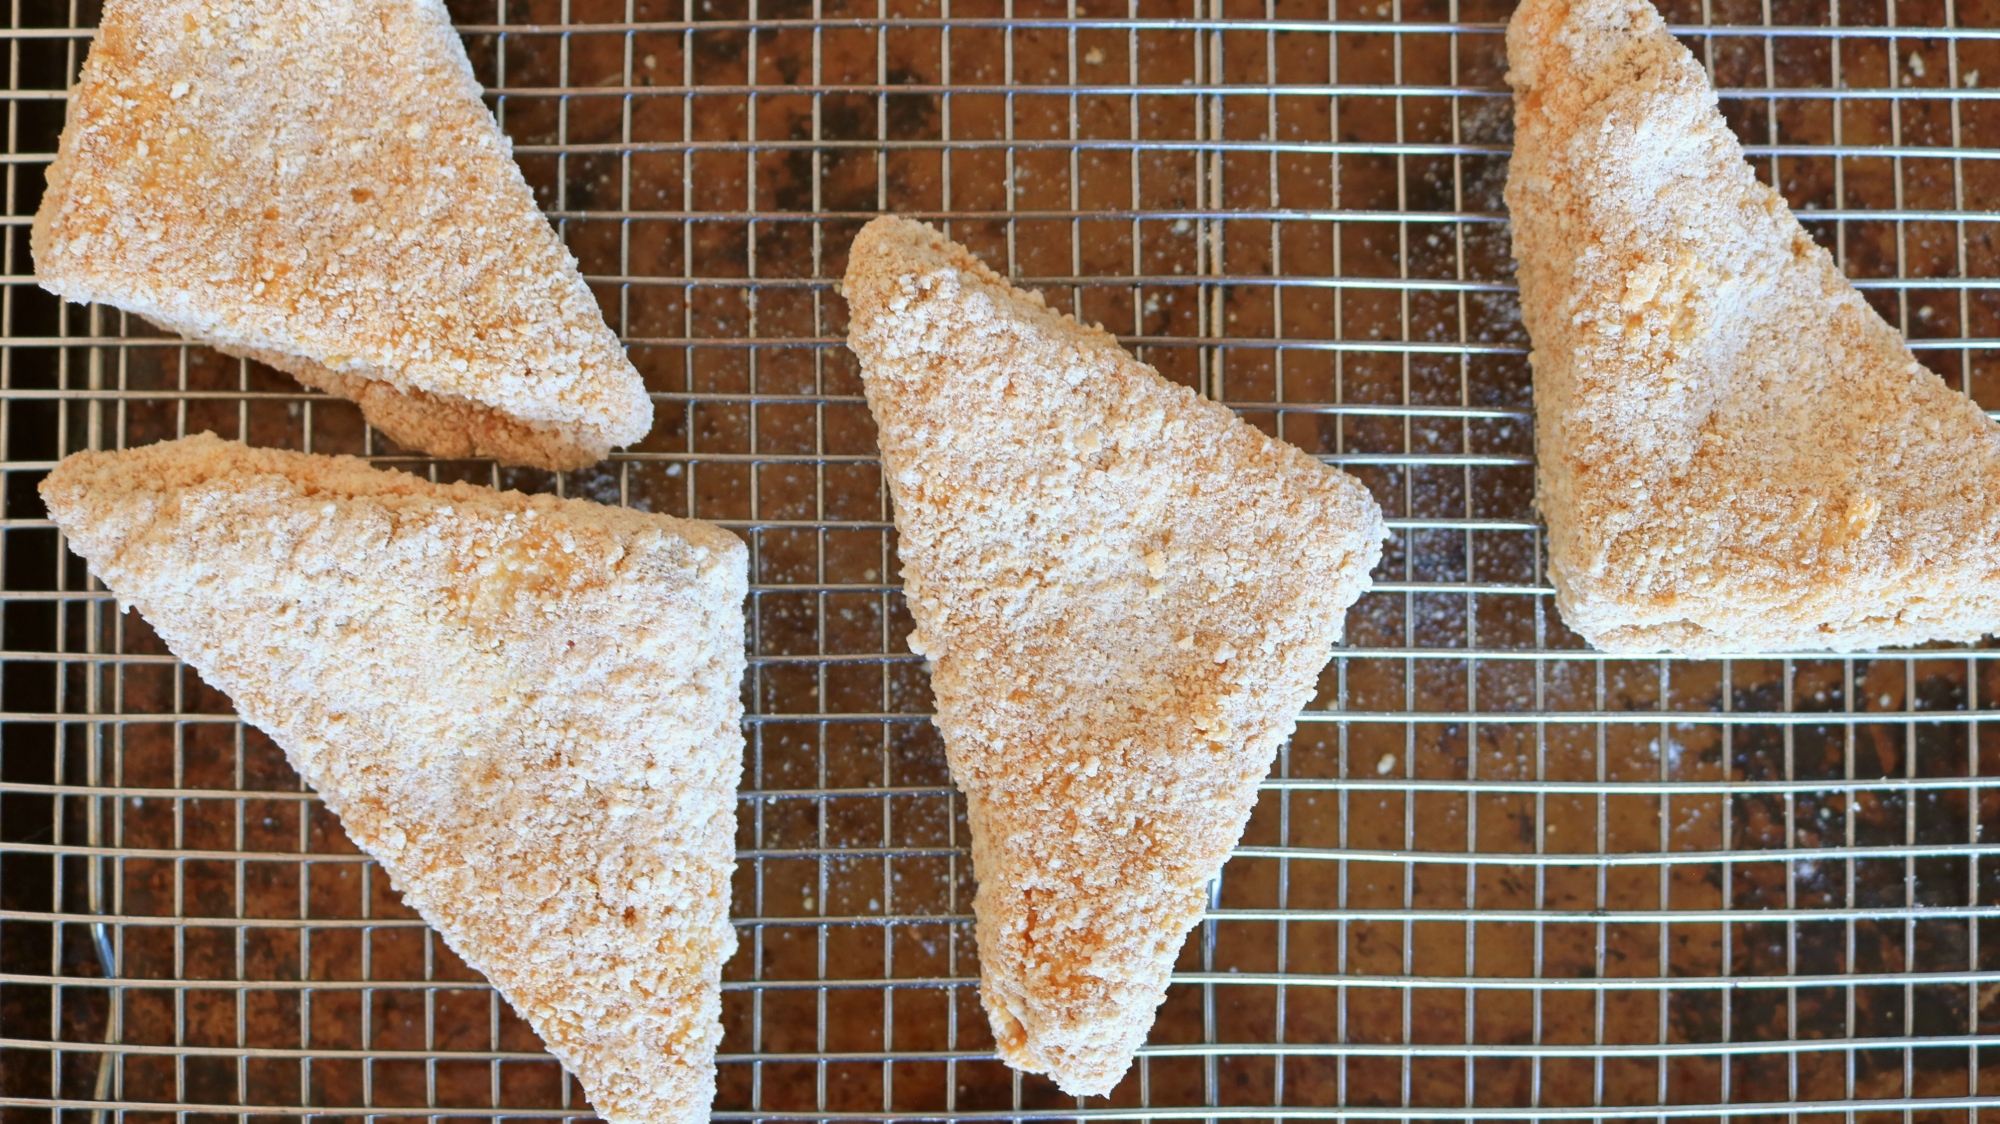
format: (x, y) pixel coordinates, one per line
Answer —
(1494, 875)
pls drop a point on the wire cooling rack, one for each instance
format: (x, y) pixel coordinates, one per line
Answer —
(1495, 875)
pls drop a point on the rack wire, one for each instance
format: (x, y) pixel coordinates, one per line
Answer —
(1496, 875)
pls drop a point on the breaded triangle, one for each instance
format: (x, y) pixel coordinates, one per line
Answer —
(315, 184)
(1736, 453)
(1126, 594)
(526, 709)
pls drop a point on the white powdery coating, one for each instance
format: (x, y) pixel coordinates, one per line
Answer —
(1127, 595)
(525, 708)
(1735, 451)
(316, 184)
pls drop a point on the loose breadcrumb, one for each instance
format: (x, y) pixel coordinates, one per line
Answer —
(1736, 452)
(1126, 593)
(525, 708)
(316, 184)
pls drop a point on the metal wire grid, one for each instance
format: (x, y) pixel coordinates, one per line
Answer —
(1496, 875)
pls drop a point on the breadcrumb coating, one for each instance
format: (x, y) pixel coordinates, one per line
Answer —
(316, 184)
(526, 709)
(1126, 594)
(1735, 452)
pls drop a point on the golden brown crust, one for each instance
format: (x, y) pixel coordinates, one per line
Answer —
(525, 708)
(444, 425)
(1127, 595)
(1735, 452)
(317, 182)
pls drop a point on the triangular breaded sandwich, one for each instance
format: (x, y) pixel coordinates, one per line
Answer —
(316, 185)
(1736, 453)
(526, 709)
(1126, 594)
